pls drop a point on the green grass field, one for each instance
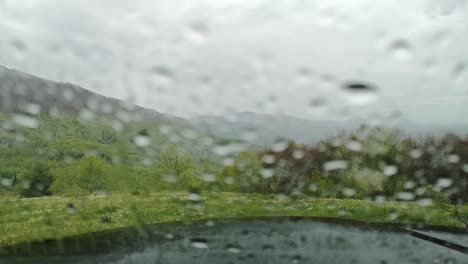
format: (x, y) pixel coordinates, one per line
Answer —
(42, 218)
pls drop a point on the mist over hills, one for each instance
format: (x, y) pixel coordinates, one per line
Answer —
(266, 129)
(25, 93)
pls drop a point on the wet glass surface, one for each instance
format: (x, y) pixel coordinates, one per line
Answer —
(117, 116)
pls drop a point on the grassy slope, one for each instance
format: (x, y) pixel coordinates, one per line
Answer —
(48, 218)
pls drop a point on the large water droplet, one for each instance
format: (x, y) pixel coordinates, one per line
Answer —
(409, 185)
(393, 215)
(279, 146)
(267, 173)
(235, 249)
(390, 170)
(197, 32)
(165, 129)
(326, 17)
(444, 182)
(208, 177)
(200, 243)
(441, 38)
(296, 259)
(229, 161)
(86, 114)
(349, 191)
(459, 70)
(229, 149)
(33, 109)
(71, 208)
(249, 136)
(26, 121)
(304, 76)
(465, 168)
(163, 76)
(68, 94)
(406, 196)
(357, 87)
(335, 165)
(18, 45)
(360, 93)
(317, 102)
(313, 187)
(354, 146)
(141, 140)
(6, 182)
(194, 196)
(415, 153)
(298, 154)
(453, 158)
(400, 50)
(229, 180)
(425, 202)
(268, 159)
(170, 178)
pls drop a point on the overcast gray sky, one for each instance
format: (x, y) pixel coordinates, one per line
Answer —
(279, 57)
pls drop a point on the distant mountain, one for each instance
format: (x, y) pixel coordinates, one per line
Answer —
(266, 129)
(22, 92)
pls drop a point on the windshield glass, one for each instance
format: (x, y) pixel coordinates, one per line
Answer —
(233, 131)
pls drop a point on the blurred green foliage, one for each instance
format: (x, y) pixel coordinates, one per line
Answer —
(68, 155)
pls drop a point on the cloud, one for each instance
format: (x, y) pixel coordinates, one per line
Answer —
(222, 56)
(446, 8)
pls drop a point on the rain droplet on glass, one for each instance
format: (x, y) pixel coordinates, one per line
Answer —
(349, 192)
(233, 249)
(465, 168)
(71, 208)
(354, 146)
(390, 170)
(208, 177)
(199, 243)
(400, 50)
(25, 121)
(268, 159)
(142, 141)
(406, 196)
(279, 146)
(267, 173)
(298, 154)
(360, 93)
(335, 165)
(197, 32)
(193, 196)
(170, 178)
(425, 202)
(453, 158)
(415, 153)
(459, 70)
(444, 182)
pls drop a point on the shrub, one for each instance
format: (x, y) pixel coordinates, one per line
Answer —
(35, 182)
(92, 174)
(178, 164)
(107, 136)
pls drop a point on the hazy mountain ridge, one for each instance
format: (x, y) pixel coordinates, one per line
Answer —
(22, 92)
(269, 128)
